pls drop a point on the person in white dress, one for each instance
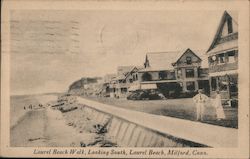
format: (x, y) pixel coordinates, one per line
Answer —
(200, 100)
(218, 107)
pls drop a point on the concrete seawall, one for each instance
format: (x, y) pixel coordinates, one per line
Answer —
(137, 129)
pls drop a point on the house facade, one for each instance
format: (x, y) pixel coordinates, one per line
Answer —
(123, 81)
(191, 71)
(174, 71)
(223, 60)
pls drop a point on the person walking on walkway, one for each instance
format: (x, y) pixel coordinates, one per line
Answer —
(200, 100)
(218, 107)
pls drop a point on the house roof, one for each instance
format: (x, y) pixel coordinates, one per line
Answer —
(164, 60)
(124, 69)
(188, 50)
(234, 17)
(224, 46)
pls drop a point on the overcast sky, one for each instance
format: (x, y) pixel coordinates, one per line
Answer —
(51, 49)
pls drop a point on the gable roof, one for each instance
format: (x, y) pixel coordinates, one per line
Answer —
(187, 51)
(162, 60)
(122, 70)
(225, 15)
(165, 60)
(126, 71)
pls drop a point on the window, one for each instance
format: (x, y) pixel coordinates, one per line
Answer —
(223, 83)
(124, 90)
(130, 80)
(146, 77)
(163, 75)
(189, 73)
(190, 86)
(171, 75)
(213, 83)
(136, 77)
(233, 86)
(229, 25)
(122, 81)
(202, 72)
(231, 56)
(189, 60)
(222, 58)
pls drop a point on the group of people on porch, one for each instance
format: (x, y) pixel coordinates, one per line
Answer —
(202, 101)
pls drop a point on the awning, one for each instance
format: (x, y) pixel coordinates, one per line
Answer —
(149, 86)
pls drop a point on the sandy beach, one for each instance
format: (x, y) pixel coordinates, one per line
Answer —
(50, 127)
(46, 127)
(20, 104)
(29, 131)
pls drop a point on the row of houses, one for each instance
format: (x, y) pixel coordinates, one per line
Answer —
(185, 71)
(161, 70)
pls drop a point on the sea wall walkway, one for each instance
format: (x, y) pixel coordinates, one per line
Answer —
(133, 128)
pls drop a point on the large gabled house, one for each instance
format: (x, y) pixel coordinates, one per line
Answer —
(167, 70)
(191, 69)
(223, 59)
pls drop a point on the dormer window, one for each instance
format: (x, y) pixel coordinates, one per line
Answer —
(189, 60)
(229, 25)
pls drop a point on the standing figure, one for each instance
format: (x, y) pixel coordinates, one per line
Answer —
(200, 100)
(218, 106)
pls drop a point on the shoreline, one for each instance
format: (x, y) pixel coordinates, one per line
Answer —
(51, 127)
(19, 113)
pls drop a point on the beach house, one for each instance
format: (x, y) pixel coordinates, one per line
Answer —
(123, 81)
(223, 59)
(183, 71)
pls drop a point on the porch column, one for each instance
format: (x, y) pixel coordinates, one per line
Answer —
(196, 85)
(184, 86)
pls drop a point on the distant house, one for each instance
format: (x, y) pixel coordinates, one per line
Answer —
(223, 59)
(169, 70)
(106, 89)
(126, 75)
(122, 70)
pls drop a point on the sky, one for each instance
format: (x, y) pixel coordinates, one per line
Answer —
(52, 49)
